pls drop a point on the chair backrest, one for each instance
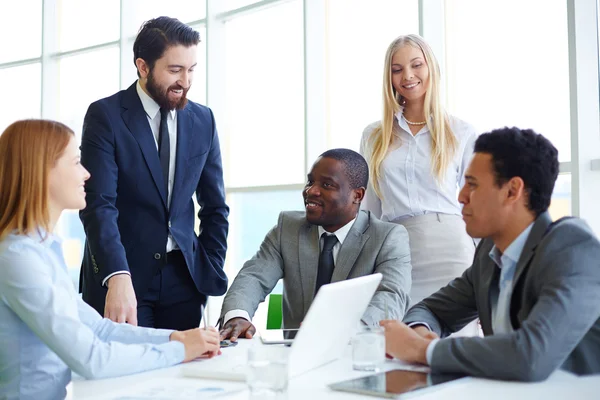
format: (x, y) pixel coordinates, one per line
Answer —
(274, 312)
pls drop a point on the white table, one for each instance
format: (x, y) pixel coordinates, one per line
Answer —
(313, 385)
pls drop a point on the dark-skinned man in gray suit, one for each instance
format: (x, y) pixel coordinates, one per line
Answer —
(534, 284)
(294, 251)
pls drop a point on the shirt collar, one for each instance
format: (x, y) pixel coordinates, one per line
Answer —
(514, 250)
(404, 125)
(340, 233)
(44, 238)
(150, 106)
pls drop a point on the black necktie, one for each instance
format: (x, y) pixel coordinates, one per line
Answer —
(326, 261)
(164, 147)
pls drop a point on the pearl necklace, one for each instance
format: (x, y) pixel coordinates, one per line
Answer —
(414, 123)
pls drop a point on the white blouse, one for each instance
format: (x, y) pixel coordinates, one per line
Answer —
(407, 184)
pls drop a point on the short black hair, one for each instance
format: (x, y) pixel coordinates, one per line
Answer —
(158, 34)
(526, 154)
(355, 166)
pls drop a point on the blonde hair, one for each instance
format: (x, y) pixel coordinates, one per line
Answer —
(443, 141)
(28, 150)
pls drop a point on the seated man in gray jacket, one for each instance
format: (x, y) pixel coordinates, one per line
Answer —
(331, 241)
(534, 284)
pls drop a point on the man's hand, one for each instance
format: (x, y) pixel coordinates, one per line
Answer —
(198, 342)
(424, 332)
(121, 304)
(236, 327)
(404, 343)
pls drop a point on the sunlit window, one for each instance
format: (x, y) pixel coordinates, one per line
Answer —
(358, 34)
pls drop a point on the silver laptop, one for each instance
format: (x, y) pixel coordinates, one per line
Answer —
(322, 337)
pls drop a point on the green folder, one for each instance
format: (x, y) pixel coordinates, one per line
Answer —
(274, 314)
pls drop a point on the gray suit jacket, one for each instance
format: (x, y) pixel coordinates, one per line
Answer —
(291, 251)
(554, 310)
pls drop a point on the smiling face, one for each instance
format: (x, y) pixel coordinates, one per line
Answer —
(328, 197)
(410, 73)
(66, 180)
(169, 80)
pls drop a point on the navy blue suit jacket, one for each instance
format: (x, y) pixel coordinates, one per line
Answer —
(126, 219)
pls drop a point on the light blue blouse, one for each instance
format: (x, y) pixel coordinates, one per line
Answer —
(47, 331)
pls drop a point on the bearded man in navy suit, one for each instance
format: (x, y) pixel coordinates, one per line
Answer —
(149, 150)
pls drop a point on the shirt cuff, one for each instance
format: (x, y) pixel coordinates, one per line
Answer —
(425, 324)
(113, 274)
(159, 336)
(235, 314)
(429, 353)
(175, 353)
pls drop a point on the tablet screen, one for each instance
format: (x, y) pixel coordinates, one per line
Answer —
(392, 383)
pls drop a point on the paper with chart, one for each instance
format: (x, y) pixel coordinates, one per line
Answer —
(176, 388)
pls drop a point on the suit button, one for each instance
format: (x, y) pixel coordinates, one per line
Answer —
(95, 270)
(157, 256)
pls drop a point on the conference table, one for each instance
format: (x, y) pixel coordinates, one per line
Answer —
(171, 383)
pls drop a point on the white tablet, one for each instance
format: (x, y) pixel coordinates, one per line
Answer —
(278, 336)
(395, 383)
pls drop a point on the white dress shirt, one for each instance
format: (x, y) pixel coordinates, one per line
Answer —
(152, 110)
(47, 330)
(500, 306)
(407, 183)
(341, 236)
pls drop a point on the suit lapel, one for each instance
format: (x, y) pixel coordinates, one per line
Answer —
(351, 248)
(185, 126)
(308, 257)
(136, 120)
(536, 234)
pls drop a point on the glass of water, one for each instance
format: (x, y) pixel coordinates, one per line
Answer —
(268, 371)
(368, 348)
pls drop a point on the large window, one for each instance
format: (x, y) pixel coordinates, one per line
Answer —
(83, 79)
(252, 216)
(22, 36)
(501, 72)
(498, 76)
(358, 34)
(139, 11)
(22, 93)
(264, 94)
(86, 23)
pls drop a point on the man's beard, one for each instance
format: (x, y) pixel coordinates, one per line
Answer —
(161, 94)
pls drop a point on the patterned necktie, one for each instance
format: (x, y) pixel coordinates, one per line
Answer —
(326, 261)
(164, 147)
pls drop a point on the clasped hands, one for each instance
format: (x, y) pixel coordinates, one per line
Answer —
(406, 343)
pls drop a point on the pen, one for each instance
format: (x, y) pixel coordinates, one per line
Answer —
(202, 317)
(387, 315)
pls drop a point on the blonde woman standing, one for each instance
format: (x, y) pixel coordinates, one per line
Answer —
(417, 155)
